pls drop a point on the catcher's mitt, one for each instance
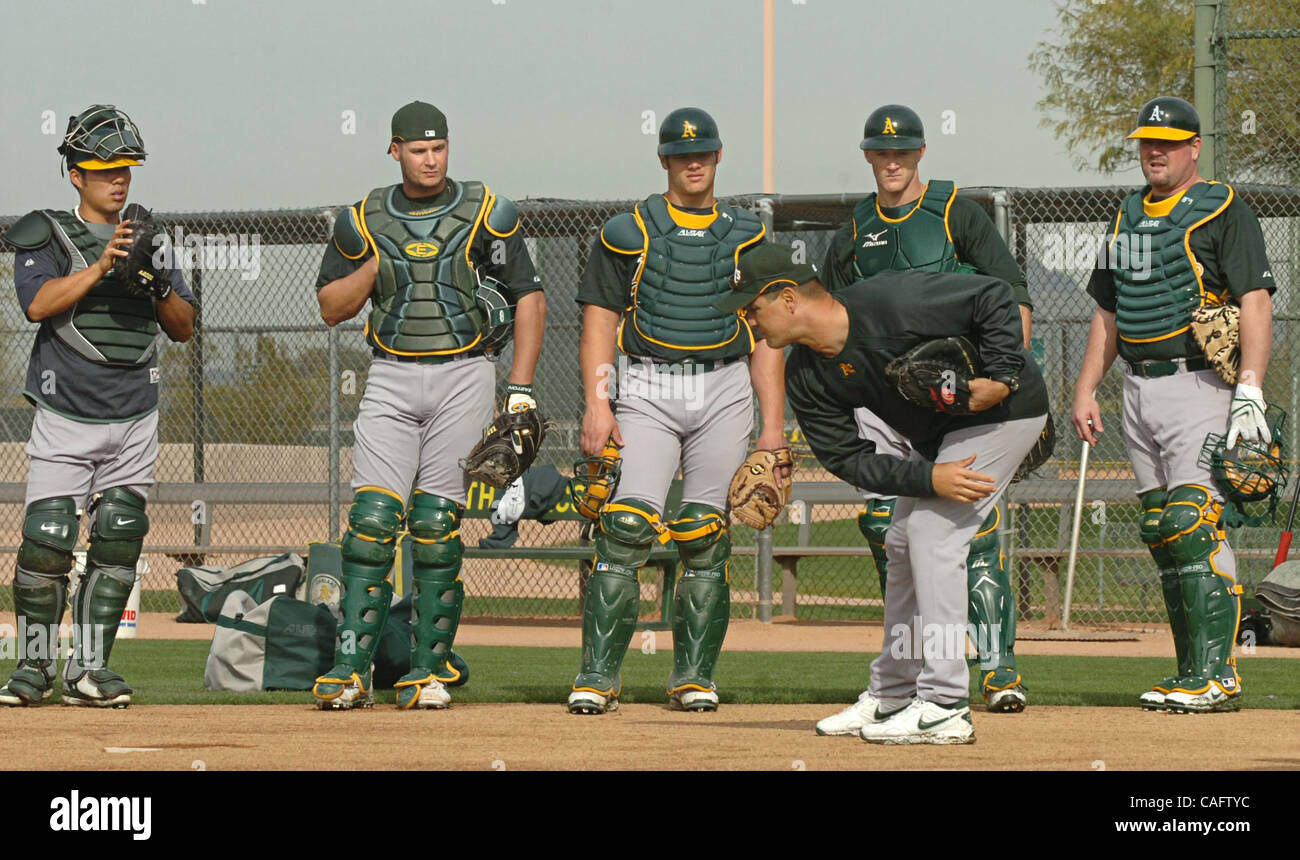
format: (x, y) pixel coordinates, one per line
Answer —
(758, 493)
(594, 480)
(138, 270)
(1042, 450)
(1217, 331)
(936, 374)
(507, 449)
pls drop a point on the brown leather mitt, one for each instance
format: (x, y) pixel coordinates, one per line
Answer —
(758, 494)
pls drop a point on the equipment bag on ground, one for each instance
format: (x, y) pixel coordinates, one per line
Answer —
(204, 588)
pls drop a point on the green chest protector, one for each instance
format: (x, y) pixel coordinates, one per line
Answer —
(919, 241)
(424, 300)
(109, 325)
(682, 272)
(1157, 278)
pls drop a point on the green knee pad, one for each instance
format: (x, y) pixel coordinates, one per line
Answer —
(1209, 599)
(118, 525)
(701, 609)
(703, 541)
(368, 550)
(873, 522)
(438, 594)
(49, 534)
(628, 528)
(992, 609)
(1153, 508)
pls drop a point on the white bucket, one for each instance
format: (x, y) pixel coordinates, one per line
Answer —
(128, 626)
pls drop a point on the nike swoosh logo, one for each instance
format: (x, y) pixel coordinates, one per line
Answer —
(52, 530)
(924, 725)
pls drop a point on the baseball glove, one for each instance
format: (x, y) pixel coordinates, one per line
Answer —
(507, 449)
(1039, 454)
(138, 270)
(594, 480)
(1217, 331)
(936, 374)
(758, 493)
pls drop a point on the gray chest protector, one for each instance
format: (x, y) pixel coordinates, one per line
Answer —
(683, 272)
(109, 325)
(1157, 278)
(424, 301)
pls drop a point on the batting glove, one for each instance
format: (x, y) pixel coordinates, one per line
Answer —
(1246, 420)
(519, 397)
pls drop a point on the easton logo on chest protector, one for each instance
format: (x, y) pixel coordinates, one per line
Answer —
(421, 250)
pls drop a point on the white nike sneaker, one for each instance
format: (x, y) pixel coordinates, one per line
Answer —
(588, 702)
(693, 700)
(867, 709)
(923, 722)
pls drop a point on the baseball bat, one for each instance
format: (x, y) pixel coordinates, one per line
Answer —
(1074, 533)
(1284, 543)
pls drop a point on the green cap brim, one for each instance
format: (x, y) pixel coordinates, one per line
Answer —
(698, 144)
(892, 141)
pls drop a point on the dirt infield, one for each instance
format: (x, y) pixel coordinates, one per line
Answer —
(638, 737)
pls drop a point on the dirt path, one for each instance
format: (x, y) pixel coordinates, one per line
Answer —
(488, 736)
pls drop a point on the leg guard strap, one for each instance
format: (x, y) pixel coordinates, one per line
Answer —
(873, 522)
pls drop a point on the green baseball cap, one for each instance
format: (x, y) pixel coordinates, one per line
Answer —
(769, 266)
(893, 127)
(1167, 118)
(688, 130)
(418, 121)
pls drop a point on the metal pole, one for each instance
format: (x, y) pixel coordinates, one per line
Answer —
(763, 561)
(334, 432)
(1205, 34)
(769, 75)
(199, 412)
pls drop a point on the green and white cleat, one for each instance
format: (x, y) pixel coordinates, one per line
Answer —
(923, 722)
(29, 685)
(419, 690)
(343, 689)
(693, 699)
(866, 710)
(97, 688)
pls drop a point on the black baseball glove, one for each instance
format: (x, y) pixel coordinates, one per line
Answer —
(1040, 453)
(139, 269)
(936, 374)
(509, 446)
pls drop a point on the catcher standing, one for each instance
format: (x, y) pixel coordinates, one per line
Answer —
(987, 422)
(90, 279)
(1178, 245)
(910, 225)
(442, 263)
(685, 397)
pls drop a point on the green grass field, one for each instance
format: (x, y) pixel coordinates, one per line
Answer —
(165, 672)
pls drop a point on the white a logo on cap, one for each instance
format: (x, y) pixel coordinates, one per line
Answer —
(1157, 114)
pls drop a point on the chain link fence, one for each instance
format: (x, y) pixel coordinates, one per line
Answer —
(257, 412)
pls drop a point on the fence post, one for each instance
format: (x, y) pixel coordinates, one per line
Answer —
(199, 408)
(334, 440)
(763, 561)
(1205, 38)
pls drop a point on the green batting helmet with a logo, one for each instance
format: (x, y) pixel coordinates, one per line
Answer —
(1167, 118)
(893, 127)
(688, 130)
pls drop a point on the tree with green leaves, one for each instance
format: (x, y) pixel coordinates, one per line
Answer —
(1108, 57)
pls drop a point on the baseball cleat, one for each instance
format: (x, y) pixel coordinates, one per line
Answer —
(29, 685)
(420, 691)
(1154, 699)
(1003, 692)
(97, 688)
(1203, 696)
(923, 722)
(867, 709)
(343, 689)
(591, 702)
(693, 700)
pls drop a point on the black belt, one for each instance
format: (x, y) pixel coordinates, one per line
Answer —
(1155, 368)
(692, 365)
(426, 359)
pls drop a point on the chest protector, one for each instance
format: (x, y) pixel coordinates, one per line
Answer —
(1157, 278)
(682, 272)
(109, 325)
(918, 241)
(424, 297)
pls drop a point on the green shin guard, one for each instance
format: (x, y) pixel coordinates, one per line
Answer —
(702, 602)
(609, 611)
(437, 599)
(118, 525)
(1153, 507)
(41, 586)
(368, 550)
(873, 522)
(39, 600)
(992, 609)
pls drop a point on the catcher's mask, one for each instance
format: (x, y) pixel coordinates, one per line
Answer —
(1251, 475)
(594, 480)
(101, 138)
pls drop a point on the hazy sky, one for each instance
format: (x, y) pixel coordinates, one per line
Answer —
(244, 105)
